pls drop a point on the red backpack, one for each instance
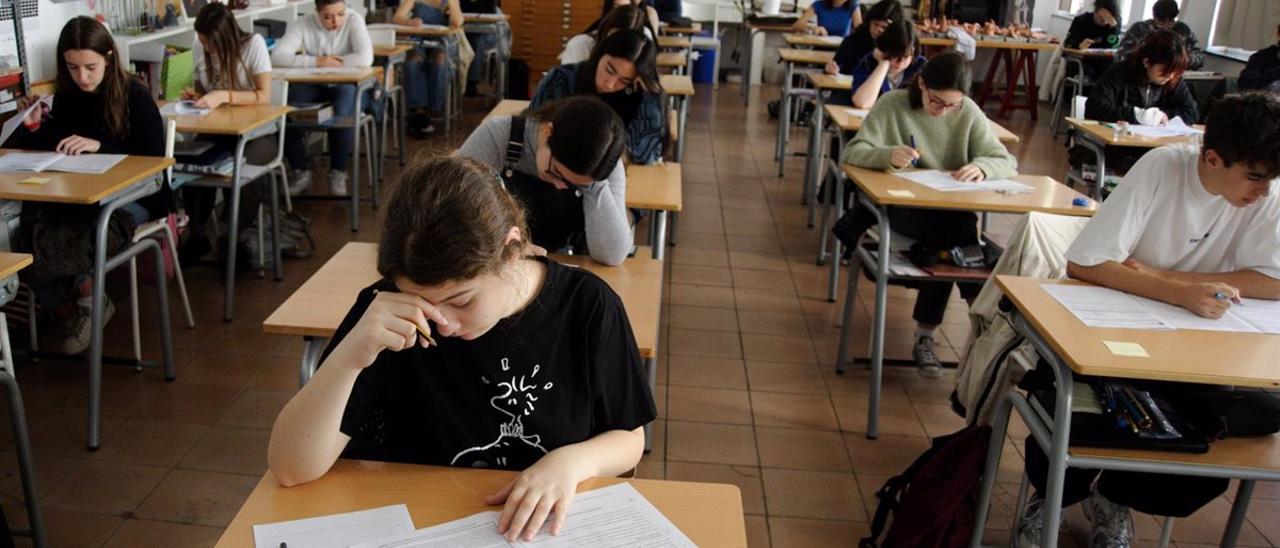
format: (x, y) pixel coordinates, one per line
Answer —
(933, 502)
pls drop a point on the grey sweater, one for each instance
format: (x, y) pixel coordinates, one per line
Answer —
(604, 208)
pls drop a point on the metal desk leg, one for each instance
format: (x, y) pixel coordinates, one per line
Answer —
(659, 242)
(999, 428)
(837, 200)
(21, 440)
(353, 168)
(784, 121)
(683, 117)
(850, 296)
(811, 158)
(233, 232)
(877, 324)
(651, 368)
(814, 177)
(1239, 508)
(310, 358)
(277, 264)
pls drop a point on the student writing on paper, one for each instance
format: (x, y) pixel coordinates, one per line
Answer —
(334, 37)
(564, 162)
(578, 49)
(429, 67)
(863, 38)
(1099, 28)
(951, 133)
(829, 18)
(893, 64)
(1191, 228)
(623, 71)
(97, 107)
(232, 67)
(529, 366)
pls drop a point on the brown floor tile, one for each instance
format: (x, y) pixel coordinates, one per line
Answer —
(105, 487)
(747, 478)
(710, 344)
(148, 442)
(198, 498)
(698, 317)
(701, 295)
(896, 418)
(762, 279)
(701, 240)
(70, 528)
(141, 532)
(280, 374)
(772, 348)
(757, 531)
(804, 533)
(767, 301)
(223, 369)
(704, 275)
(888, 455)
(785, 377)
(706, 372)
(1205, 526)
(774, 323)
(232, 450)
(700, 257)
(757, 244)
(255, 409)
(51, 471)
(689, 403)
(651, 469)
(189, 403)
(64, 433)
(855, 382)
(711, 443)
(793, 410)
(816, 495)
(801, 449)
(756, 260)
(938, 419)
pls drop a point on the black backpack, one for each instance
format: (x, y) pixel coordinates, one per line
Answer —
(933, 502)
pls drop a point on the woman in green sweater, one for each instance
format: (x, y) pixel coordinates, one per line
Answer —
(932, 125)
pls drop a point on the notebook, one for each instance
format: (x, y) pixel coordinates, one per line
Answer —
(96, 164)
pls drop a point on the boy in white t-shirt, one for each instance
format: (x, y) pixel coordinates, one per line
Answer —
(1194, 228)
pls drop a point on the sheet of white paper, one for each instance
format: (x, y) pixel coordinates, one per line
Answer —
(1262, 315)
(901, 266)
(96, 164)
(474, 531)
(11, 124)
(336, 531)
(1181, 318)
(944, 182)
(1104, 307)
(183, 108)
(28, 161)
(1167, 130)
(291, 71)
(392, 26)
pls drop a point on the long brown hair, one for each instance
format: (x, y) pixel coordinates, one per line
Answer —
(226, 43)
(448, 219)
(87, 33)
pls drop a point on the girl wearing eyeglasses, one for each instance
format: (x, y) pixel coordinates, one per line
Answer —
(931, 125)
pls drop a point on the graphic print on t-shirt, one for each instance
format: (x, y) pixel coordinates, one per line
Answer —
(513, 444)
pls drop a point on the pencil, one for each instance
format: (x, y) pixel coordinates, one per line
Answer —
(421, 330)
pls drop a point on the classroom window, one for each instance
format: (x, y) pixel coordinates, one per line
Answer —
(1244, 26)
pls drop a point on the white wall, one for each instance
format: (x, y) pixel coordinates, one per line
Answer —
(41, 35)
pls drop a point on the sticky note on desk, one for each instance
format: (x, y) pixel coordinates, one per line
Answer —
(1133, 350)
(901, 193)
(34, 180)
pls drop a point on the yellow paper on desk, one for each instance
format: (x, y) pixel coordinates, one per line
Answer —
(1133, 350)
(901, 193)
(34, 181)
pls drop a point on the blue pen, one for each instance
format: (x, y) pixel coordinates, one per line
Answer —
(915, 162)
(1224, 297)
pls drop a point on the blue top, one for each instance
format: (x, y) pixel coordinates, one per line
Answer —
(641, 113)
(430, 15)
(863, 70)
(836, 20)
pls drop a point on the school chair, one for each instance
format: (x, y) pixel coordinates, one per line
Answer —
(1078, 83)
(18, 421)
(158, 228)
(360, 121)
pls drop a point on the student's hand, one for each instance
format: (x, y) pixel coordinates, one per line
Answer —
(1086, 43)
(1202, 299)
(547, 486)
(832, 68)
(415, 22)
(969, 174)
(37, 114)
(1161, 118)
(902, 156)
(189, 94)
(214, 98)
(390, 323)
(878, 55)
(76, 144)
(820, 30)
(328, 61)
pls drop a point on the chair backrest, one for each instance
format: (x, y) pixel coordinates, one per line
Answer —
(170, 136)
(1077, 106)
(382, 37)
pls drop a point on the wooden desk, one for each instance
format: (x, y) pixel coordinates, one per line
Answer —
(672, 59)
(318, 306)
(1070, 348)
(345, 77)
(824, 83)
(484, 18)
(11, 263)
(693, 28)
(391, 51)
(680, 89)
(812, 41)
(657, 188)
(130, 180)
(1096, 137)
(806, 56)
(875, 190)
(791, 58)
(420, 32)
(709, 514)
(673, 42)
(1091, 52)
(676, 84)
(506, 107)
(245, 123)
(850, 119)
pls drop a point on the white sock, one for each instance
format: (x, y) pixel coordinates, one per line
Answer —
(922, 331)
(85, 302)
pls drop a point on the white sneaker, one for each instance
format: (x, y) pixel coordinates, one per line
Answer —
(78, 330)
(337, 183)
(1112, 523)
(299, 181)
(1031, 527)
(927, 362)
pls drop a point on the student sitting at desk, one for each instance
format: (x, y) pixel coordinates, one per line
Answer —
(1097, 29)
(1263, 69)
(483, 43)
(623, 71)
(829, 18)
(1195, 229)
(578, 49)
(564, 162)
(892, 65)
(651, 15)
(428, 70)
(863, 38)
(232, 67)
(668, 10)
(933, 125)
(97, 107)
(334, 37)
(1164, 16)
(470, 353)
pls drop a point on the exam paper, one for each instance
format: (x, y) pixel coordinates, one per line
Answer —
(1105, 307)
(11, 125)
(1262, 315)
(1174, 128)
(611, 516)
(336, 531)
(96, 164)
(183, 108)
(944, 182)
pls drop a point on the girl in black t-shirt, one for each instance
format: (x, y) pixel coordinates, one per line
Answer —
(469, 353)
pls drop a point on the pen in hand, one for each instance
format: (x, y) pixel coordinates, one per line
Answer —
(915, 162)
(1224, 297)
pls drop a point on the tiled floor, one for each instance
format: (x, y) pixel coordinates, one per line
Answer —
(747, 391)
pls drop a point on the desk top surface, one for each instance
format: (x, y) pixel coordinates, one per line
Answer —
(506, 107)
(1049, 196)
(80, 188)
(1106, 135)
(806, 56)
(11, 263)
(1183, 355)
(350, 77)
(655, 186)
(812, 40)
(230, 119)
(676, 84)
(710, 514)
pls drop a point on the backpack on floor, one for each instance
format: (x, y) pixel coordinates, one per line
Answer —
(934, 500)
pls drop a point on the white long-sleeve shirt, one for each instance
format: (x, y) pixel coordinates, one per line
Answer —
(306, 39)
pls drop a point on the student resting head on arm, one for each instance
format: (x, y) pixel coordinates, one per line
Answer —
(1195, 228)
(1151, 77)
(564, 162)
(471, 353)
(949, 132)
(863, 38)
(623, 71)
(892, 65)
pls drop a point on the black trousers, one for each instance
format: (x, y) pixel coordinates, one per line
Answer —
(1155, 494)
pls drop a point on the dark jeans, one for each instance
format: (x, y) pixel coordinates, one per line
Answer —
(199, 201)
(1155, 494)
